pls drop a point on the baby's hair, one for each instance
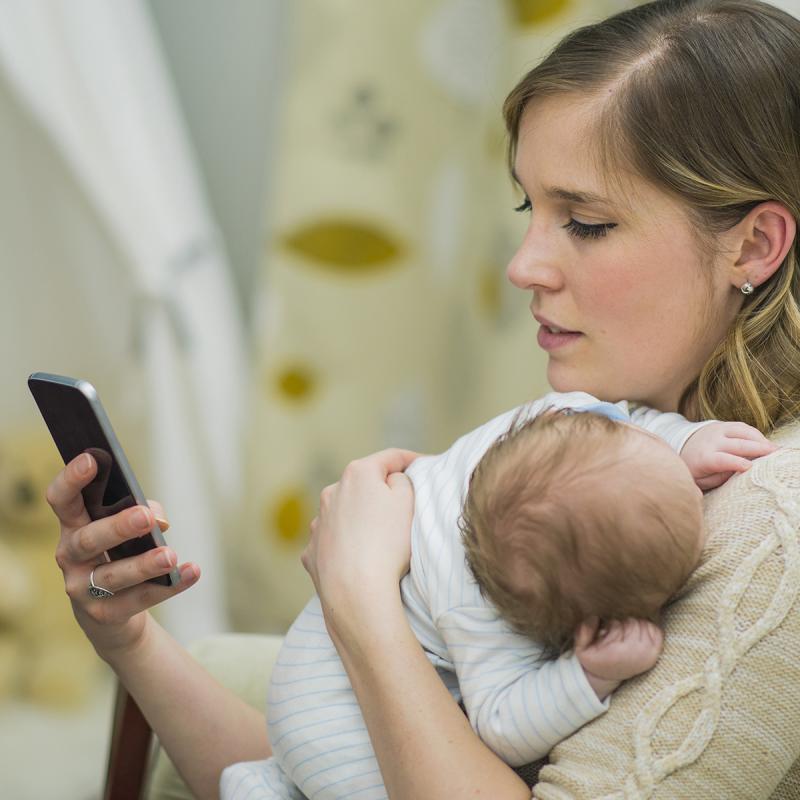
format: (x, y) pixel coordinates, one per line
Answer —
(567, 517)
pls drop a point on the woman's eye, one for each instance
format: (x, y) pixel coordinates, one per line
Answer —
(583, 231)
(578, 229)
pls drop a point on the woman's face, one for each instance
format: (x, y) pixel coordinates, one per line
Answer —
(647, 311)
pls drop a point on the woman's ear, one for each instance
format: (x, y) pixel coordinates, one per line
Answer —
(760, 243)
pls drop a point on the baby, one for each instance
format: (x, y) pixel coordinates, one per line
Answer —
(573, 512)
(571, 522)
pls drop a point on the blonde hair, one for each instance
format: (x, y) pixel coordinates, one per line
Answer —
(567, 517)
(706, 107)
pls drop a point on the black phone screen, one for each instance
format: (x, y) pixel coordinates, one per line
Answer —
(76, 429)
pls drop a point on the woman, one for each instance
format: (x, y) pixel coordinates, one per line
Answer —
(659, 159)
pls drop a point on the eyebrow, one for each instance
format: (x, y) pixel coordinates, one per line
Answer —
(570, 195)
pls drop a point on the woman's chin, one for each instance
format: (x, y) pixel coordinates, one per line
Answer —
(563, 379)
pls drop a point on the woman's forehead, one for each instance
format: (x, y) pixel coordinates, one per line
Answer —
(558, 151)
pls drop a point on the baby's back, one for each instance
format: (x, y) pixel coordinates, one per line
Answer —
(315, 725)
(438, 578)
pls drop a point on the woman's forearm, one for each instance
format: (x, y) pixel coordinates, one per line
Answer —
(423, 742)
(201, 725)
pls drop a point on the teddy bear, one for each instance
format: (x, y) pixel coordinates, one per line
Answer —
(44, 656)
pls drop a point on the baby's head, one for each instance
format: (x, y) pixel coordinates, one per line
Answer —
(568, 517)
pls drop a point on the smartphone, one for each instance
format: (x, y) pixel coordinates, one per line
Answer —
(79, 424)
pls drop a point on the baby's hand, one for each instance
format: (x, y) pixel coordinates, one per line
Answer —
(719, 450)
(611, 653)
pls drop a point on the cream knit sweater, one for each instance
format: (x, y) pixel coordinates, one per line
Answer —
(719, 715)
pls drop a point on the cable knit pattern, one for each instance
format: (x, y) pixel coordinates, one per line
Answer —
(719, 716)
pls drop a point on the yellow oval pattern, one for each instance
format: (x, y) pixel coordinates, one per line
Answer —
(290, 517)
(344, 245)
(533, 12)
(296, 383)
(489, 290)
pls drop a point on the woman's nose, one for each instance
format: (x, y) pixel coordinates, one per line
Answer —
(532, 268)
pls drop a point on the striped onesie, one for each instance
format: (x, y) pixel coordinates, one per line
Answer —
(519, 705)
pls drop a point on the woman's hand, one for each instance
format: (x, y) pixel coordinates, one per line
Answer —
(360, 543)
(113, 624)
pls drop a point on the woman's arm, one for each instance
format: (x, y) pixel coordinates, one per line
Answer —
(358, 552)
(424, 743)
(202, 726)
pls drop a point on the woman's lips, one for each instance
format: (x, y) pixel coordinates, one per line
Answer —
(554, 341)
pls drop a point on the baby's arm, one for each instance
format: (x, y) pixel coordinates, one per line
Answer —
(673, 428)
(712, 450)
(613, 652)
(519, 704)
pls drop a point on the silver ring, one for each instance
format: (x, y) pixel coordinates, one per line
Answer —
(98, 591)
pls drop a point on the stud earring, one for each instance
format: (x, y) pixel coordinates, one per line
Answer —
(747, 288)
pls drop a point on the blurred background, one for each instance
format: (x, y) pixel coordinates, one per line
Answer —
(273, 235)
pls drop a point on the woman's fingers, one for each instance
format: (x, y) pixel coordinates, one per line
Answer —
(399, 481)
(158, 511)
(126, 572)
(138, 598)
(326, 494)
(64, 493)
(384, 462)
(90, 541)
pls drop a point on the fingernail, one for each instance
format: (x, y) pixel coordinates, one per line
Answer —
(166, 558)
(163, 524)
(141, 520)
(84, 464)
(189, 573)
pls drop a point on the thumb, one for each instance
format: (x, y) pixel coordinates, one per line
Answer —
(399, 481)
(585, 632)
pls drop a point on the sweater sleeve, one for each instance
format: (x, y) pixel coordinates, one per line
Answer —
(719, 714)
(519, 704)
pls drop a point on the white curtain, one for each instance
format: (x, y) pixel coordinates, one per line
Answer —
(91, 76)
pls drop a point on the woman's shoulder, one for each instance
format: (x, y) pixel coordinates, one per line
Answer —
(787, 434)
(757, 504)
(732, 646)
(772, 484)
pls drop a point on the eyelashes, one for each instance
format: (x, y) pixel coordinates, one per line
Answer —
(526, 205)
(575, 228)
(578, 229)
